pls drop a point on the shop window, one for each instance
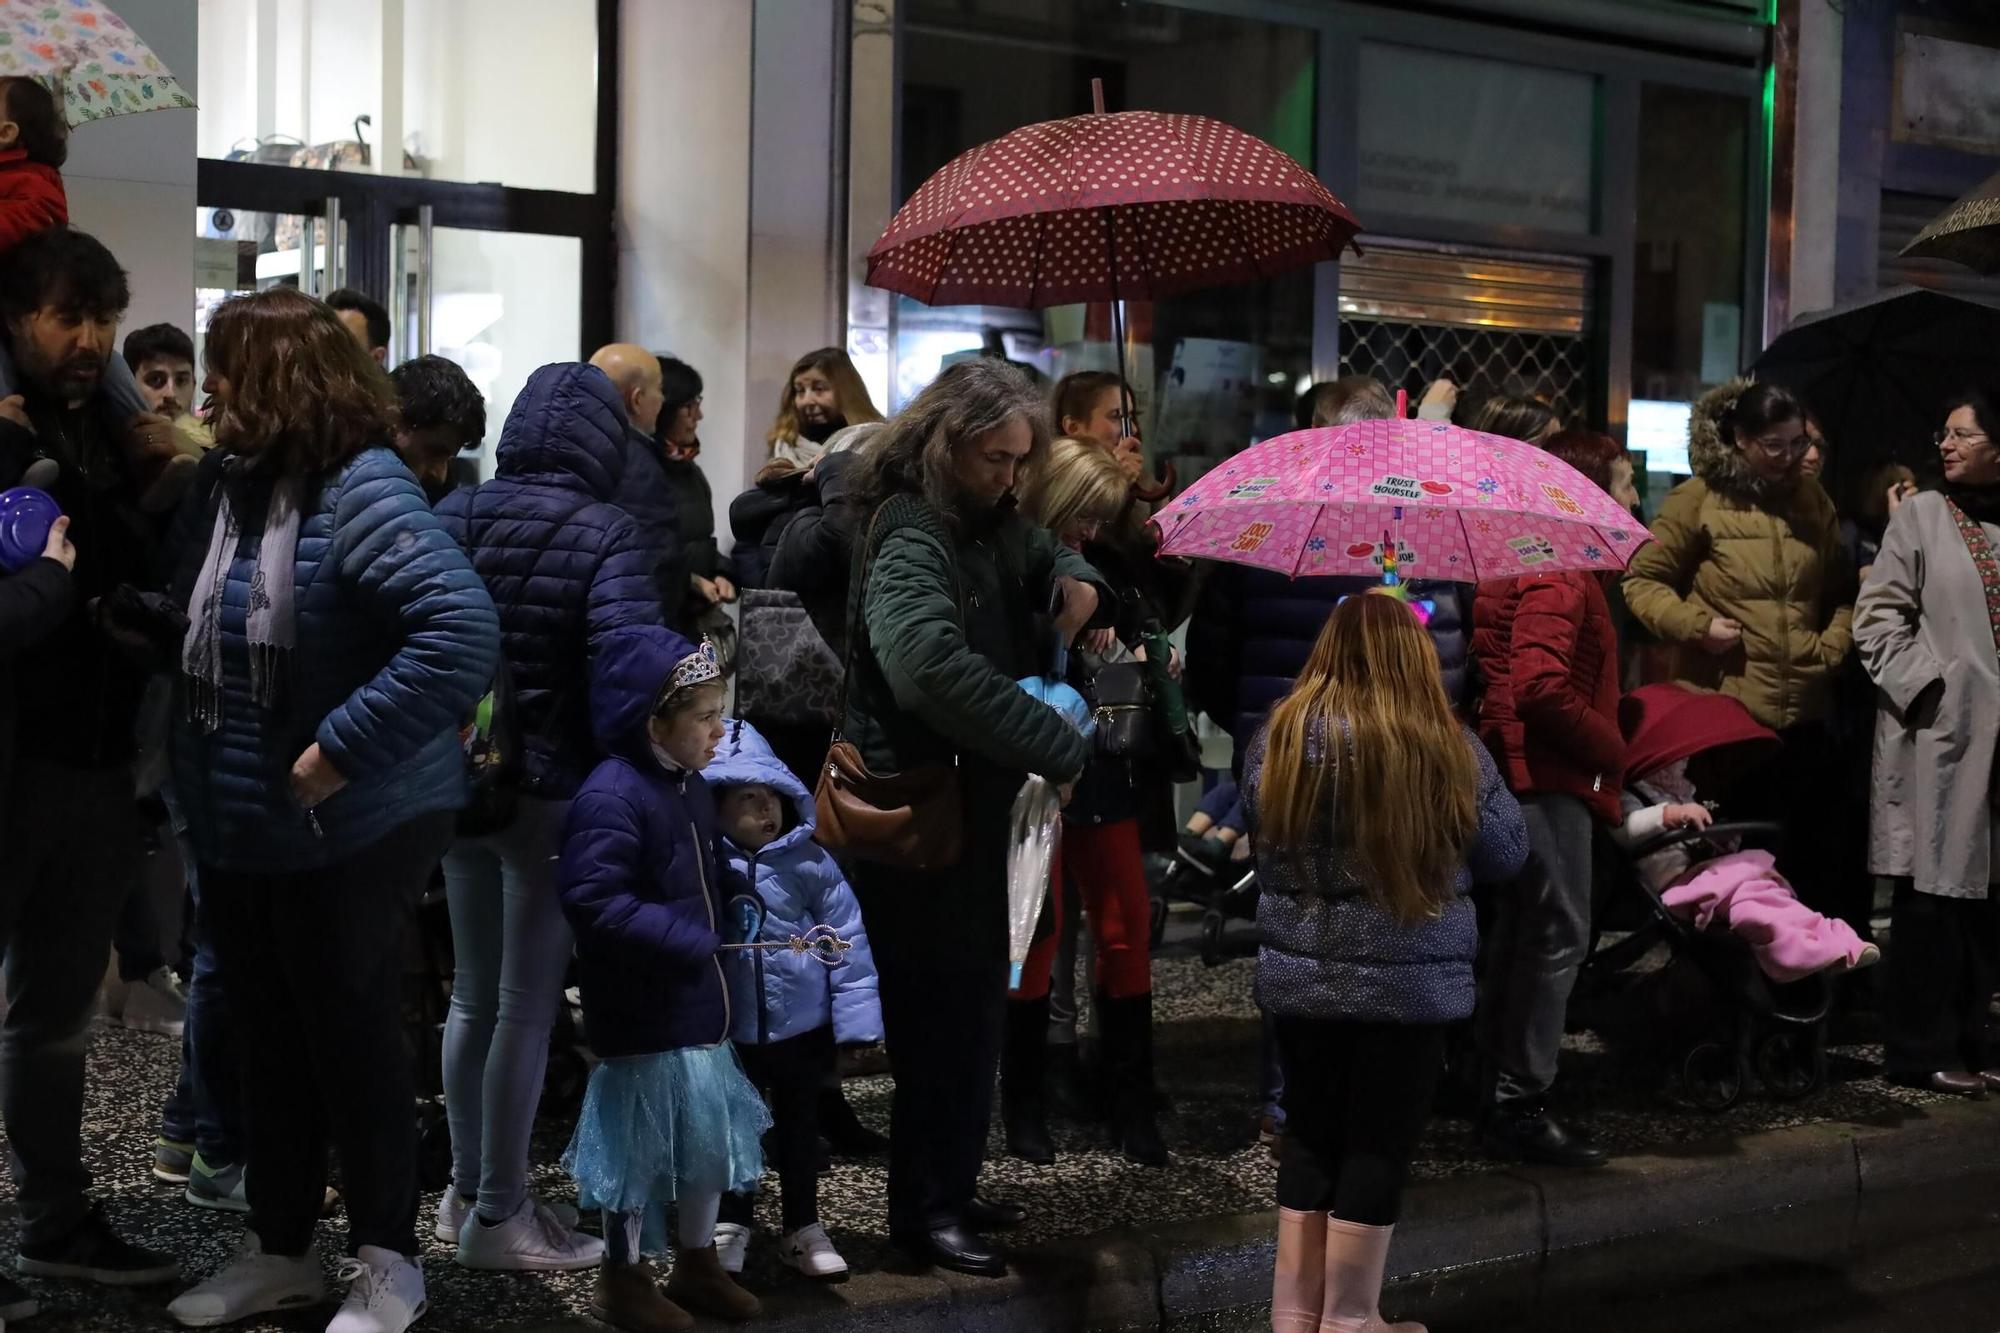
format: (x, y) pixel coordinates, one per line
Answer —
(1213, 370)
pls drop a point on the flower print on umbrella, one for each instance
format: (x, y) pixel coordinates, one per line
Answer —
(1488, 485)
(1315, 544)
(1592, 552)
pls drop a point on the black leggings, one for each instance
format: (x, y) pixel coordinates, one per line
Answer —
(788, 1073)
(1357, 1097)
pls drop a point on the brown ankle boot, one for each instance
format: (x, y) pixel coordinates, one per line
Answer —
(628, 1296)
(700, 1284)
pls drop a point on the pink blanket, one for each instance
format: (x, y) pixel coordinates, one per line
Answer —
(1745, 891)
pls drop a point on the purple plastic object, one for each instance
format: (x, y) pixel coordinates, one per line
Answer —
(25, 517)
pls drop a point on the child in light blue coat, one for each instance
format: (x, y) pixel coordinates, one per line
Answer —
(790, 1010)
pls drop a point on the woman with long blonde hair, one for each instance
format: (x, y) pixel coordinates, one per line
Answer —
(823, 393)
(1076, 491)
(1372, 811)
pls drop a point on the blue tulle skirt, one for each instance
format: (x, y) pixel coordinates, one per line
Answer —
(656, 1128)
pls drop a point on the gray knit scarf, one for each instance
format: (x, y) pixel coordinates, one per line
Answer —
(270, 625)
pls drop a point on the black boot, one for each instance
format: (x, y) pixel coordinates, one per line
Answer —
(843, 1131)
(1023, 1082)
(1524, 1129)
(1070, 1094)
(1127, 1027)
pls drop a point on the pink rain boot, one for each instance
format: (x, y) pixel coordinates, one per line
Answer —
(1355, 1257)
(1298, 1280)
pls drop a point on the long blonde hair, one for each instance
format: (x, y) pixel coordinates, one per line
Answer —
(849, 392)
(1408, 796)
(1079, 482)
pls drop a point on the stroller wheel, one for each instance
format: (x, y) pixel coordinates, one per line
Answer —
(434, 1150)
(1791, 1064)
(1157, 928)
(1211, 937)
(1712, 1076)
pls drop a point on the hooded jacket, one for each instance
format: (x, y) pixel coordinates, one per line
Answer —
(641, 878)
(397, 639)
(31, 199)
(1549, 656)
(1728, 543)
(563, 564)
(776, 994)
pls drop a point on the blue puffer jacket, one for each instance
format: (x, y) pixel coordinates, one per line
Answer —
(564, 565)
(645, 494)
(1254, 629)
(1329, 952)
(396, 641)
(641, 880)
(777, 994)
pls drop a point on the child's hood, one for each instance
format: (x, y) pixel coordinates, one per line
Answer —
(630, 668)
(744, 757)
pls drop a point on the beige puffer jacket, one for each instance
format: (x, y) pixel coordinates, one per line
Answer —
(1728, 543)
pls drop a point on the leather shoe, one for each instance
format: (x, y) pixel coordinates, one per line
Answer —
(1990, 1077)
(993, 1214)
(1530, 1133)
(1959, 1082)
(958, 1249)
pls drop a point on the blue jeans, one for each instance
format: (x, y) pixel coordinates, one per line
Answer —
(511, 947)
(206, 1107)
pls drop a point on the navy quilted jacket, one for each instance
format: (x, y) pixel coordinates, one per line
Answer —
(645, 493)
(396, 641)
(564, 565)
(642, 879)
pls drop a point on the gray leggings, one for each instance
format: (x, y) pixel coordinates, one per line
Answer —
(512, 946)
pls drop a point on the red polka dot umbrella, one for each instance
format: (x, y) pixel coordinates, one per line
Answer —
(1130, 206)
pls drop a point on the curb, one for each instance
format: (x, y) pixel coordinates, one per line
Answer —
(1142, 1279)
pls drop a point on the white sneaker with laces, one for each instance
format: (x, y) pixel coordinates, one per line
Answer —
(155, 1004)
(252, 1282)
(453, 1209)
(809, 1251)
(534, 1239)
(385, 1295)
(732, 1245)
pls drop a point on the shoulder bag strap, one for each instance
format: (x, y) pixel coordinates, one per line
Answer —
(1981, 551)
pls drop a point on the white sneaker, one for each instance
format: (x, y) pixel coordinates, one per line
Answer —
(155, 1004)
(454, 1208)
(252, 1282)
(534, 1239)
(386, 1294)
(732, 1245)
(809, 1251)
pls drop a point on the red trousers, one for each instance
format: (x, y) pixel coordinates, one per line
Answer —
(1104, 862)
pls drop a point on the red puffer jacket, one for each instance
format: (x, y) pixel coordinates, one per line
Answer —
(31, 198)
(1546, 648)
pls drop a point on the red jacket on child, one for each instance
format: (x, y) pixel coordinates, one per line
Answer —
(1549, 655)
(31, 198)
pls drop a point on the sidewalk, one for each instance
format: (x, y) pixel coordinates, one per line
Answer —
(1119, 1246)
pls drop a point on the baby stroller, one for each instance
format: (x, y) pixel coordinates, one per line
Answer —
(1727, 1021)
(1225, 890)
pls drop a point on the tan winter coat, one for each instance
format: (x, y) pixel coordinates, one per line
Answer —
(1925, 636)
(1727, 543)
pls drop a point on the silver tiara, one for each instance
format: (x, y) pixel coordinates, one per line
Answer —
(697, 668)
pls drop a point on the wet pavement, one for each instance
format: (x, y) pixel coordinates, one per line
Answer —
(1893, 1260)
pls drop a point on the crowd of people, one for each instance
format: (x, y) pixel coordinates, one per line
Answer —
(284, 618)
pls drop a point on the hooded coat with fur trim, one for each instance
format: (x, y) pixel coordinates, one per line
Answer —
(1729, 543)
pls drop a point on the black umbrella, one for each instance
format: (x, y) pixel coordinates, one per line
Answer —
(1877, 372)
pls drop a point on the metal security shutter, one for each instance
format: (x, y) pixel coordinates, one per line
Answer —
(1515, 323)
(1903, 216)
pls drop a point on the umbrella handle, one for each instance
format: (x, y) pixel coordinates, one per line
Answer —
(1402, 404)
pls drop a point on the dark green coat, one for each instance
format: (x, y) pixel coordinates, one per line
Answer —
(952, 621)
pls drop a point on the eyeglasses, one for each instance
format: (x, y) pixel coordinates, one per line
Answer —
(1791, 448)
(1957, 436)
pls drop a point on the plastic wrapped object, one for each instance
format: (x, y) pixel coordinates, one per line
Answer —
(1035, 825)
(1063, 698)
(26, 515)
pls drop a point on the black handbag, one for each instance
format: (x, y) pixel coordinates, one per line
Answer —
(1121, 704)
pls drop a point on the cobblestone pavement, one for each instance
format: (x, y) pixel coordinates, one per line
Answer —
(1208, 1067)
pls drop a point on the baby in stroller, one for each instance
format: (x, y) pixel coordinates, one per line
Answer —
(1675, 737)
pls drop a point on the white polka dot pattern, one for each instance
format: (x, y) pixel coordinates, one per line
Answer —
(1036, 217)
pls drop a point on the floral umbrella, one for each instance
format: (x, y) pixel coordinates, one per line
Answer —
(79, 46)
(1457, 505)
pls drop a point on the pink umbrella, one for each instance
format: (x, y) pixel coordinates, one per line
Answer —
(1459, 506)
